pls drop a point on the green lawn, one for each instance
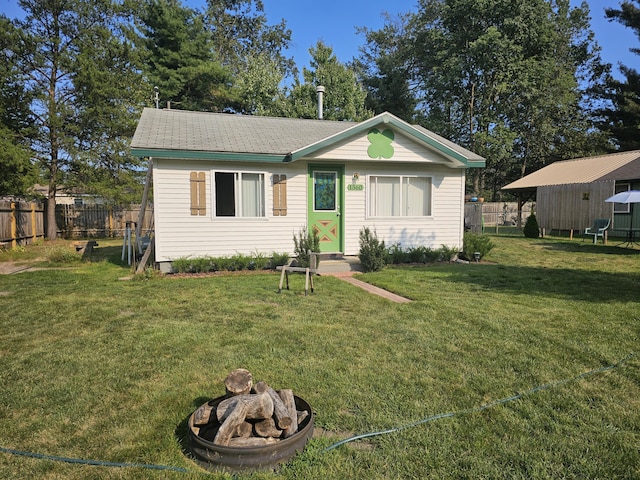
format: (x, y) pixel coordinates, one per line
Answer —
(95, 367)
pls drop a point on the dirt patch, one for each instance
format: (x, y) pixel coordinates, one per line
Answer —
(7, 268)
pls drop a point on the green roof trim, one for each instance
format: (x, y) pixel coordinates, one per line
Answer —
(196, 155)
(388, 119)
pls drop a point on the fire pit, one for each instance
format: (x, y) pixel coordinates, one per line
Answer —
(250, 428)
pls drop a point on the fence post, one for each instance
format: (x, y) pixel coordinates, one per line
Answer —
(110, 220)
(14, 226)
(33, 221)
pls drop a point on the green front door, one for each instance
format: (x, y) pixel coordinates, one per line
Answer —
(325, 206)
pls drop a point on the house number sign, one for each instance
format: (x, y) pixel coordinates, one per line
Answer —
(355, 186)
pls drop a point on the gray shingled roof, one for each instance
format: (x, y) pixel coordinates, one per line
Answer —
(185, 134)
(222, 132)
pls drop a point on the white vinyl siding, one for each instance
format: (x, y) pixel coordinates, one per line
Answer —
(444, 225)
(179, 234)
(405, 150)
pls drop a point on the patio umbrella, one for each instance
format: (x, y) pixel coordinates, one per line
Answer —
(631, 197)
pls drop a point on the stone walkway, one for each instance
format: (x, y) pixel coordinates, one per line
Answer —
(345, 270)
(375, 290)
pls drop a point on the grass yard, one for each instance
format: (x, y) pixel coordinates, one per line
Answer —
(94, 367)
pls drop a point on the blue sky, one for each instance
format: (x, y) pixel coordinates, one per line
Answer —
(335, 21)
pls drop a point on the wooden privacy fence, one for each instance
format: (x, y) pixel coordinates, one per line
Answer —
(99, 220)
(479, 215)
(20, 222)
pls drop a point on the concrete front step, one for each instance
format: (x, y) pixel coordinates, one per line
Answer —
(339, 266)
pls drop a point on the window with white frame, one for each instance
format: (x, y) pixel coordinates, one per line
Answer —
(238, 194)
(621, 207)
(399, 196)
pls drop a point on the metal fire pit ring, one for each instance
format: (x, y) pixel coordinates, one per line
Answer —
(216, 457)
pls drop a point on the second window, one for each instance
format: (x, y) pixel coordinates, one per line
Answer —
(399, 196)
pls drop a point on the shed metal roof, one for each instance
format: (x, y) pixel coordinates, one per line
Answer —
(615, 166)
(186, 134)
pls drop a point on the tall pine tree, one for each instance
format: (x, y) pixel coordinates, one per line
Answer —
(622, 118)
(344, 98)
(52, 38)
(180, 60)
(17, 172)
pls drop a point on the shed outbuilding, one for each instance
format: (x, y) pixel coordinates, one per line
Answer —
(226, 184)
(571, 194)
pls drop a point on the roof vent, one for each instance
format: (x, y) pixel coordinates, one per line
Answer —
(320, 92)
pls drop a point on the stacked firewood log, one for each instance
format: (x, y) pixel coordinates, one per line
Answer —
(250, 415)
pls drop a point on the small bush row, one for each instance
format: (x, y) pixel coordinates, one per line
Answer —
(374, 255)
(234, 263)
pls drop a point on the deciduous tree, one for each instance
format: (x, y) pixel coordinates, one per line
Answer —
(505, 78)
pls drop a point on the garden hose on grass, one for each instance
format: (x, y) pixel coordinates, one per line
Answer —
(482, 407)
(335, 445)
(97, 463)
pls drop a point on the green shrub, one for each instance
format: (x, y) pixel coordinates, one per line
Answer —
(417, 254)
(473, 243)
(63, 254)
(447, 254)
(234, 263)
(373, 254)
(278, 259)
(259, 262)
(396, 255)
(194, 265)
(308, 242)
(531, 228)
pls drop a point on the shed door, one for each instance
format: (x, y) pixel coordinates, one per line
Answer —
(325, 206)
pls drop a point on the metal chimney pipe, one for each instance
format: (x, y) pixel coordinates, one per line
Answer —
(320, 92)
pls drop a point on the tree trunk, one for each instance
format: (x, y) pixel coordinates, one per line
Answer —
(251, 441)
(52, 225)
(236, 410)
(202, 416)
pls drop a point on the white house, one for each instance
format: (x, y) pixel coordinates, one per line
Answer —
(226, 184)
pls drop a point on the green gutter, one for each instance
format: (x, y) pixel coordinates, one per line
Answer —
(223, 156)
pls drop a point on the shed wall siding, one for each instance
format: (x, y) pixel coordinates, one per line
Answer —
(573, 207)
